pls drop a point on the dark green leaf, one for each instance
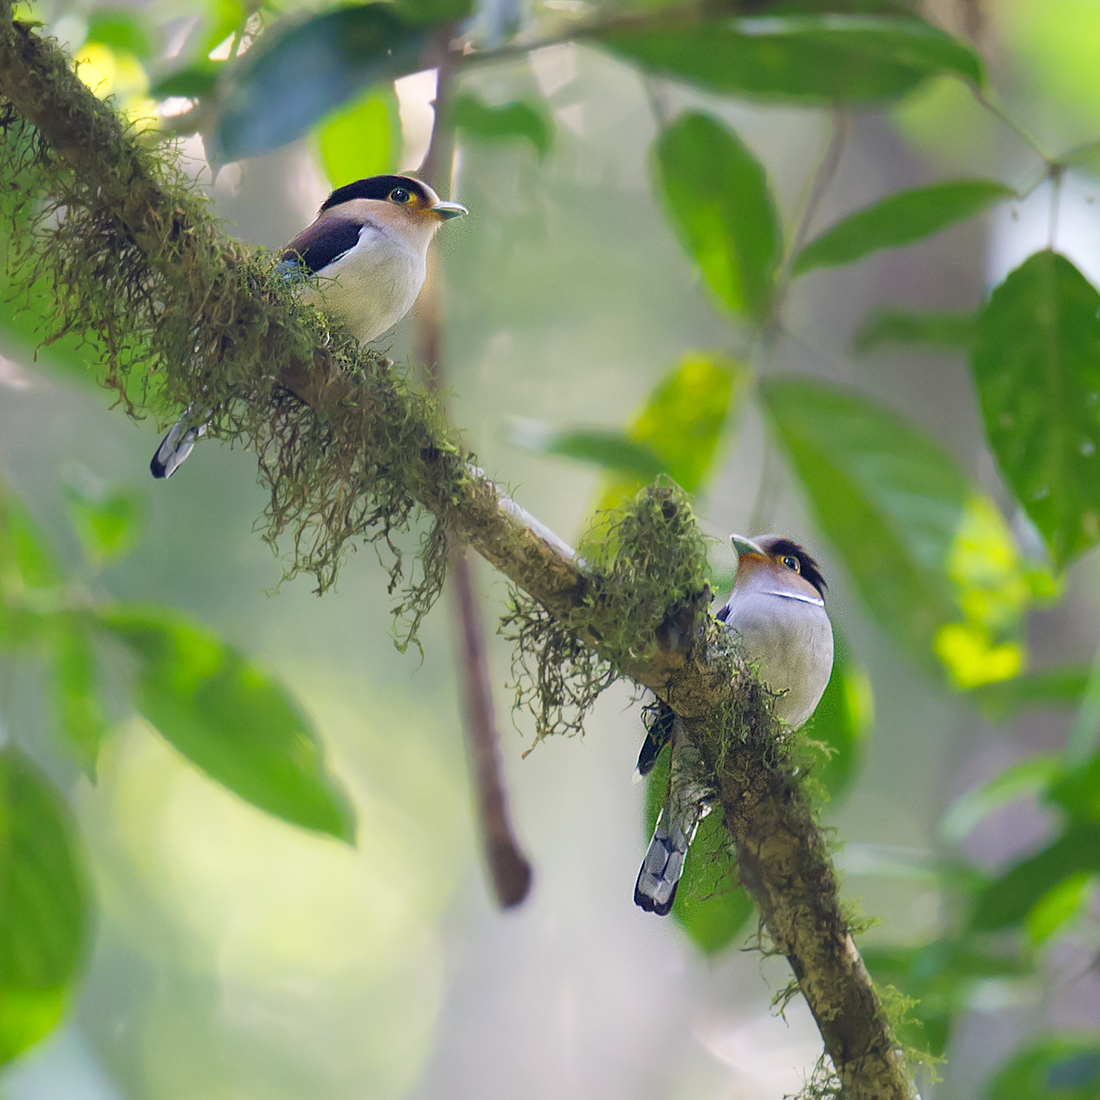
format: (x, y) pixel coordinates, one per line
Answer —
(427, 13)
(709, 904)
(43, 904)
(899, 326)
(607, 448)
(1077, 790)
(722, 208)
(120, 29)
(1008, 899)
(683, 422)
(1065, 1067)
(303, 69)
(1056, 687)
(194, 82)
(80, 708)
(1037, 369)
(231, 719)
(931, 556)
(819, 59)
(512, 120)
(843, 720)
(107, 519)
(362, 139)
(900, 219)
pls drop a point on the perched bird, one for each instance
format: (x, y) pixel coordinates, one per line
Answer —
(368, 247)
(776, 613)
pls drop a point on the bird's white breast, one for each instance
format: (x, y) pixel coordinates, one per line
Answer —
(791, 642)
(373, 285)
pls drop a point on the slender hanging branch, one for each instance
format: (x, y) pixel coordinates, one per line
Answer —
(782, 857)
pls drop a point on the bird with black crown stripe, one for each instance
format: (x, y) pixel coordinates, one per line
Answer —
(368, 248)
(776, 613)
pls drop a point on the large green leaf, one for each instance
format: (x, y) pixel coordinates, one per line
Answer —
(230, 718)
(843, 720)
(362, 138)
(107, 519)
(43, 904)
(28, 573)
(612, 450)
(902, 326)
(683, 422)
(1030, 777)
(304, 69)
(811, 58)
(1008, 900)
(1063, 1067)
(722, 208)
(710, 904)
(1036, 366)
(79, 700)
(930, 554)
(504, 123)
(900, 219)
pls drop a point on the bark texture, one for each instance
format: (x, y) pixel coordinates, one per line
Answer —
(781, 854)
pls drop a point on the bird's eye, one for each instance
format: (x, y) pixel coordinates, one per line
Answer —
(791, 562)
(400, 195)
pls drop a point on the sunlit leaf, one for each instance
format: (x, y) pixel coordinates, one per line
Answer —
(900, 219)
(121, 29)
(303, 69)
(504, 123)
(843, 720)
(78, 694)
(362, 139)
(710, 905)
(610, 449)
(25, 559)
(43, 903)
(1059, 907)
(899, 326)
(684, 422)
(231, 719)
(1037, 372)
(814, 58)
(1066, 1067)
(929, 553)
(1028, 778)
(1007, 900)
(721, 205)
(107, 519)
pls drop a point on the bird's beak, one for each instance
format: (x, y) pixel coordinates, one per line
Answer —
(746, 546)
(448, 210)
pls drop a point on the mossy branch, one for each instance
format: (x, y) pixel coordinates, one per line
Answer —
(349, 450)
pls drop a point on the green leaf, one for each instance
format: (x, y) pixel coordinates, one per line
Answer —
(1029, 777)
(1037, 370)
(900, 326)
(439, 13)
(932, 558)
(1064, 1067)
(601, 447)
(79, 703)
(843, 720)
(1007, 900)
(710, 904)
(1056, 687)
(25, 559)
(505, 123)
(1059, 907)
(900, 219)
(43, 904)
(194, 82)
(683, 422)
(230, 719)
(809, 58)
(362, 139)
(722, 208)
(107, 519)
(120, 29)
(304, 68)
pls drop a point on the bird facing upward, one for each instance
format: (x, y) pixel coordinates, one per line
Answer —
(776, 613)
(362, 261)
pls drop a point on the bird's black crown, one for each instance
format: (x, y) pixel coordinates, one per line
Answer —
(376, 187)
(783, 547)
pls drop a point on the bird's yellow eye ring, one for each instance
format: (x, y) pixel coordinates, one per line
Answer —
(791, 562)
(400, 195)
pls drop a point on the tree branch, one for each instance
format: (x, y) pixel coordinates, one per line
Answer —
(781, 854)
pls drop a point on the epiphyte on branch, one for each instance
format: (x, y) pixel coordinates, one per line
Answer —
(363, 261)
(776, 613)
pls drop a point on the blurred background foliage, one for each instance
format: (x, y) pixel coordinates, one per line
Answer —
(832, 266)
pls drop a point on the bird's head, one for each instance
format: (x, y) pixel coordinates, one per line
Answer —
(401, 204)
(780, 558)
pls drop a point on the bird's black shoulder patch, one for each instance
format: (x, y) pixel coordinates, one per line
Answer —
(806, 565)
(375, 187)
(322, 242)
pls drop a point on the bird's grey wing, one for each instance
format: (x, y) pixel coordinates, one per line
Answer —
(659, 728)
(321, 243)
(176, 446)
